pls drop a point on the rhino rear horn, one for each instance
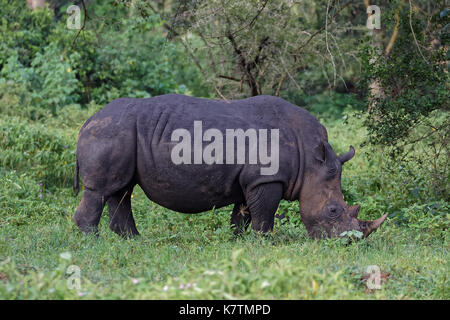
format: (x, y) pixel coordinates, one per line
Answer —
(347, 156)
(354, 211)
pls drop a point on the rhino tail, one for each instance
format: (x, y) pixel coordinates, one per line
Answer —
(76, 182)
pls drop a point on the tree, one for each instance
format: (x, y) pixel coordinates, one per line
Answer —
(408, 107)
(34, 4)
(246, 48)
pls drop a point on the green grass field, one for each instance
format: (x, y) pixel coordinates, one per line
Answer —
(182, 256)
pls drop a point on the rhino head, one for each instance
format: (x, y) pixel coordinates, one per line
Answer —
(322, 206)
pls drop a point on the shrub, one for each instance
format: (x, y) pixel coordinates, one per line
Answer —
(47, 154)
(108, 60)
(408, 93)
(429, 221)
(57, 83)
(23, 32)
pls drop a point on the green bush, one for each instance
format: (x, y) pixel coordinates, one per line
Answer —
(429, 221)
(47, 154)
(407, 94)
(57, 83)
(131, 65)
(45, 65)
(23, 32)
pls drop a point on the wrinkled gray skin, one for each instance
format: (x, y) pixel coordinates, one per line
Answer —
(128, 142)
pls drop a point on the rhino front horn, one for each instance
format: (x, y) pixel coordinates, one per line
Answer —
(371, 226)
(347, 156)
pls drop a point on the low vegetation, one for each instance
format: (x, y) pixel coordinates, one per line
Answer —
(195, 256)
(52, 80)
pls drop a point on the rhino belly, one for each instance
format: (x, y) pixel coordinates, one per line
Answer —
(191, 188)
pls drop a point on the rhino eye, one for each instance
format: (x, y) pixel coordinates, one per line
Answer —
(334, 211)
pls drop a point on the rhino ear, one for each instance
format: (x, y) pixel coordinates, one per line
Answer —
(320, 152)
(323, 152)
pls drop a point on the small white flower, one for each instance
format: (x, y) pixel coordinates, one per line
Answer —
(165, 288)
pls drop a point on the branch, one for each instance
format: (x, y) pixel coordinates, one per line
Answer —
(323, 28)
(229, 78)
(413, 33)
(245, 66)
(251, 21)
(328, 47)
(395, 32)
(171, 30)
(199, 66)
(221, 95)
(262, 43)
(84, 24)
(197, 63)
(277, 93)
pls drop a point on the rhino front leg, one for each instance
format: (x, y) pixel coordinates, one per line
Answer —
(240, 218)
(88, 213)
(263, 202)
(121, 219)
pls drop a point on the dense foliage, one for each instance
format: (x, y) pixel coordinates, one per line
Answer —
(407, 91)
(44, 64)
(52, 79)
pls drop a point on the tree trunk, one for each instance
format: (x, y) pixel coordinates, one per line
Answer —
(34, 4)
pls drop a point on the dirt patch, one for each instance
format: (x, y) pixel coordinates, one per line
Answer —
(369, 278)
(3, 277)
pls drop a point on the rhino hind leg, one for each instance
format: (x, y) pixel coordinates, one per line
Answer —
(121, 219)
(88, 213)
(263, 201)
(240, 218)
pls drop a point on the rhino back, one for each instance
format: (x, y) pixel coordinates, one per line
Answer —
(132, 139)
(199, 187)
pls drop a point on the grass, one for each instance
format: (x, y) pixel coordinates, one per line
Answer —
(195, 256)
